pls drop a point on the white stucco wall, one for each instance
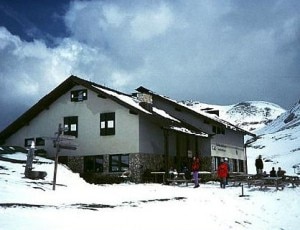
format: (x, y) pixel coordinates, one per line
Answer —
(90, 142)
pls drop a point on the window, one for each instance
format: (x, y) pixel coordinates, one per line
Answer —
(71, 126)
(107, 124)
(217, 161)
(206, 121)
(118, 163)
(78, 95)
(93, 164)
(218, 130)
(28, 142)
(39, 141)
(241, 166)
(235, 165)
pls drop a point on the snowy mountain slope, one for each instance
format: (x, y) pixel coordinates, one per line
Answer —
(287, 120)
(279, 142)
(248, 115)
(253, 115)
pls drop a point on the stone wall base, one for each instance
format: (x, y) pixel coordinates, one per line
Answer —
(139, 163)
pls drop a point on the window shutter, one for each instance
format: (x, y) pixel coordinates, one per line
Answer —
(110, 125)
(107, 124)
(71, 123)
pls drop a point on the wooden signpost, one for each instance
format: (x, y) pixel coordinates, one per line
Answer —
(62, 142)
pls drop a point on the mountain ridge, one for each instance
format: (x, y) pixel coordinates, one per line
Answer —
(248, 115)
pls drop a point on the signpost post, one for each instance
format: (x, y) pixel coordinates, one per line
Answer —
(62, 142)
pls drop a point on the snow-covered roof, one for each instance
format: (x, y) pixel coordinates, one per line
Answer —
(133, 101)
(125, 98)
(188, 131)
(164, 114)
(213, 117)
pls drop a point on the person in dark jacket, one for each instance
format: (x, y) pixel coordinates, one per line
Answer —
(273, 172)
(195, 170)
(281, 173)
(259, 164)
(222, 173)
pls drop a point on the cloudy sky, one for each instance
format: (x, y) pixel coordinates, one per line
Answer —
(217, 52)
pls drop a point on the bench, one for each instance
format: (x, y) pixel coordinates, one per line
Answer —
(178, 178)
(239, 179)
(294, 180)
(259, 181)
(273, 182)
(179, 181)
(255, 182)
(281, 182)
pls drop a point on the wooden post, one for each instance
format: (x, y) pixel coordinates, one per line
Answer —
(56, 155)
(166, 150)
(55, 169)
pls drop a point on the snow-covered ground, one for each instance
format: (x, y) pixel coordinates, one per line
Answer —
(75, 204)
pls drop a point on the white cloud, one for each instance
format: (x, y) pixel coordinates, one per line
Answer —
(215, 52)
(149, 23)
(113, 15)
(7, 40)
(30, 69)
(119, 80)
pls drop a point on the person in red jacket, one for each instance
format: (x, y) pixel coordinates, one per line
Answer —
(222, 173)
(195, 169)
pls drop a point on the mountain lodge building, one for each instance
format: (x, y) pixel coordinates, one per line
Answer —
(116, 132)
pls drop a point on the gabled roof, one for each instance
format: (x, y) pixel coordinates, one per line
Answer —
(208, 116)
(126, 100)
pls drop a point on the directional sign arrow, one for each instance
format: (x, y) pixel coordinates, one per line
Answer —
(68, 145)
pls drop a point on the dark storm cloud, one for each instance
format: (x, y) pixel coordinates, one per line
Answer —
(218, 52)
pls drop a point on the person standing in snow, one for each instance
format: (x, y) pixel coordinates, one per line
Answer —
(259, 164)
(273, 172)
(222, 173)
(195, 170)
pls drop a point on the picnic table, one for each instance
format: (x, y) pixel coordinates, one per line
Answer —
(177, 178)
(159, 173)
(239, 178)
(279, 182)
(294, 180)
(273, 181)
(263, 182)
(256, 180)
(203, 173)
(180, 178)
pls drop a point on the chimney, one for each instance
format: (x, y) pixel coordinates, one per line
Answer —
(145, 101)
